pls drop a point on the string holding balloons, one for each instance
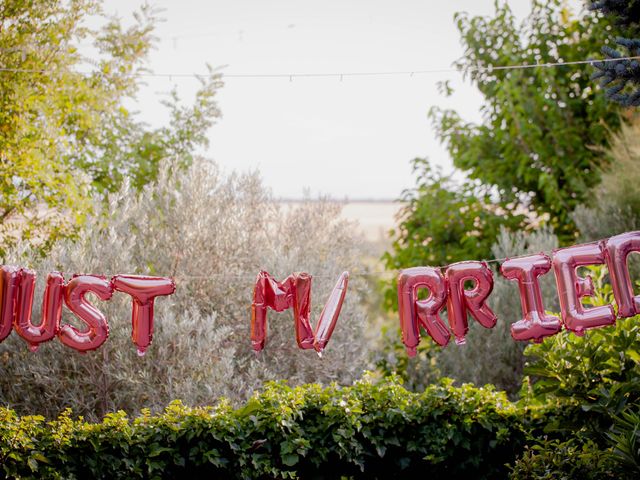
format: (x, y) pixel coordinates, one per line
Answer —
(447, 291)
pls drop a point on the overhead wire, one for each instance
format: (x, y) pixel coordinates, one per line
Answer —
(371, 273)
(340, 75)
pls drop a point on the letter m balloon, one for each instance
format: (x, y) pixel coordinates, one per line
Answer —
(295, 292)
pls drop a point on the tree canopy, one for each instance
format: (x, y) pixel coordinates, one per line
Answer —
(65, 132)
(531, 160)
(443, 222)
(534, 144)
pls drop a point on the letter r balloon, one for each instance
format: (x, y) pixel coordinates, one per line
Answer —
(414, 312)
(461, 301)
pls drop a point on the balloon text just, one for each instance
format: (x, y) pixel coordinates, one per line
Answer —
(17, 287)
(447, 290)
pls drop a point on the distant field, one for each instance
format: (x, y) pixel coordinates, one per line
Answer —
(374, 217)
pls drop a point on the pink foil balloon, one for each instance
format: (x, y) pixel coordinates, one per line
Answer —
(330, 313)
(143, 291)
(51, 308)
(617, 250)
(461, 301)
(267, 293)
(535, 324)
(97, 327)
(295, 292)
(571, 288)
(9, 285)
(414, 312)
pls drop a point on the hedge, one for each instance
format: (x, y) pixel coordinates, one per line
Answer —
(367, 430)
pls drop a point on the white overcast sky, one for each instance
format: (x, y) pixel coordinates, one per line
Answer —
(352, 138)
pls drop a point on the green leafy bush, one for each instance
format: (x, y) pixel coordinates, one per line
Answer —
(600, 372)
(595, 381)
(625, 441)
(365, 430)
(390, 358)
(67, 131)
(571, 459)
(614, 206)
(533, 145)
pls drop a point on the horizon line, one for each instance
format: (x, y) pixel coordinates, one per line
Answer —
(336, 200)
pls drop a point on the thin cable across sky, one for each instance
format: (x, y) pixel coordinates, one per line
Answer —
(339, 75)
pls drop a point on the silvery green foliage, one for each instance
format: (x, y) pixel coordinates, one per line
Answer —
(213, 233)
(608, 218)
(614, 207)
(492, 355)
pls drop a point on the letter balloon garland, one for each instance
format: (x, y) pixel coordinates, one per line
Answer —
(447, 291)
(17, 287)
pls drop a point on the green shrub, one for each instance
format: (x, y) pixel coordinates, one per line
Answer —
(390, 358)
(614, 206)
(365, 430)
(571, 459)
(624, 438)
(600, 372)
(594, 381)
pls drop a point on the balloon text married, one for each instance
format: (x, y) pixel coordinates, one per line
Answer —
(447, 291)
